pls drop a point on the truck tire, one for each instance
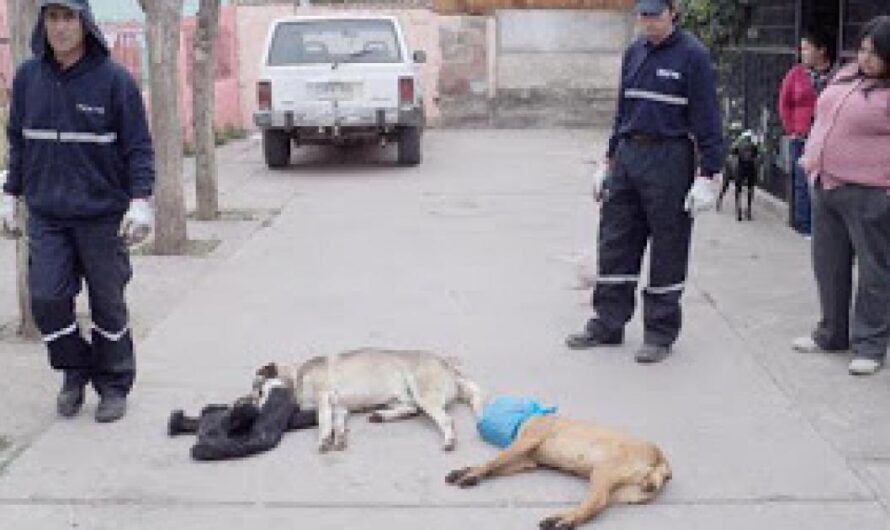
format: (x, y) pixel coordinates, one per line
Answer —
(409, 146)
(276, 148)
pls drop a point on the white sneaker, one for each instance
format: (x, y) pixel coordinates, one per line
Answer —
(864, 366)
(805, 345)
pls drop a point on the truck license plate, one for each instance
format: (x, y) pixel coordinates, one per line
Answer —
(338, 90)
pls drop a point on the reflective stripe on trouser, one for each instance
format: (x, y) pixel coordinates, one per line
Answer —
(61, 334)
(643, 205)
(61, 257)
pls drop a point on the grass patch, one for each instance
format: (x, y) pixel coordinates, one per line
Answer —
(198, 248)
(243, 214)
(220, 137)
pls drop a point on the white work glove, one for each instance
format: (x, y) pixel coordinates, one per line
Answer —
(137, 222)
(702, 195)
(599, 180)
(7, 213)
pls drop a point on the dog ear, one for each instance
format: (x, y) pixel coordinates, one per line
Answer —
(269, 371)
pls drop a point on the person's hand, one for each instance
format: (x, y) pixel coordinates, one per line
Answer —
(10, 226)
(599, 179)
(137, 222)
(702, 195)
(807, 164)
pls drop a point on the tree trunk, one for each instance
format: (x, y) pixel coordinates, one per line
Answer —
(203, 88)
(162, 27)
(22, 15)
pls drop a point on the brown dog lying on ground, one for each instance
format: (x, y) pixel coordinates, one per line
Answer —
(621, 469)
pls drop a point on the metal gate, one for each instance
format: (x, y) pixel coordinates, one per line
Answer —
(750, 74)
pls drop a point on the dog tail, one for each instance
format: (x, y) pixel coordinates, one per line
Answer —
(468, 391)
(471, 394)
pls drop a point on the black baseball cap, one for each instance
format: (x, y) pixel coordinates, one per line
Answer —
(74, 5)
(652, 7)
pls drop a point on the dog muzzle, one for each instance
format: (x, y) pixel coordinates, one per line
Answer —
(503, 416)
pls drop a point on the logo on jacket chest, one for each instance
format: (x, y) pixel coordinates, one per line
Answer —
(89, 109)
(666, 73)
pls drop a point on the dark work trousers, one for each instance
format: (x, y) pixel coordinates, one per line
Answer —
(61, 258)
(643, 205)
(852, 221)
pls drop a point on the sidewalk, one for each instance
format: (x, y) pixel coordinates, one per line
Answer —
(463, 255)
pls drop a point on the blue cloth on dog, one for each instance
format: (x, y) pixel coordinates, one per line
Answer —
(504, 415)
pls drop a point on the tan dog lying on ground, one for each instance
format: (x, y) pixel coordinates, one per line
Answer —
(394, 384)
(621, 469)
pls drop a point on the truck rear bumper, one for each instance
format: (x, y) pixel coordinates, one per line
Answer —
(382, 117)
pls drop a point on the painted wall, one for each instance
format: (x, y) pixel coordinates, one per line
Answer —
(129, 10)
(467, 76)
(561, 49)
(558, 67)
(128, 45)
(126, 39)
(227, 102)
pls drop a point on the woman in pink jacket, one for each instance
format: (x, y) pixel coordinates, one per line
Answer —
(847, 159)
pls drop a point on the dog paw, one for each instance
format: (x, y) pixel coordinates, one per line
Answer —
(556, 522)
(463, 478)
(339, 443)
(455, 475)
(375, 417)
(176, 423)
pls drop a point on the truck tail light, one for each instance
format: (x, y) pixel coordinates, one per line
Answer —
(406, 90)
(264, 95)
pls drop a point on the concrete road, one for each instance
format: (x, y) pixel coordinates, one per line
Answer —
(472, 254)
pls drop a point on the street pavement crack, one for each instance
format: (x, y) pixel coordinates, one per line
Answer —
(770, 374)
(468, 505)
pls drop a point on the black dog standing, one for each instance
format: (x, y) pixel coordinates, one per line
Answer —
(746, 155)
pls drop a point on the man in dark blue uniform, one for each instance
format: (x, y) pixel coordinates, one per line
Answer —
(665, 151)
(81, 155)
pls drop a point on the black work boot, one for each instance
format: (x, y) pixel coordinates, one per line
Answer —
(112, 407)
(70, 400)
(652, 353)
(591, 338)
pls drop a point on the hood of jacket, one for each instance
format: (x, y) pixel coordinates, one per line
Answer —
(95, 41)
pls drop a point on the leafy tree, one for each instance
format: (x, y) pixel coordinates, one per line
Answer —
(718, 23)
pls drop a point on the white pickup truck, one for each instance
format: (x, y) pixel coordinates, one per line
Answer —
(339, 80)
